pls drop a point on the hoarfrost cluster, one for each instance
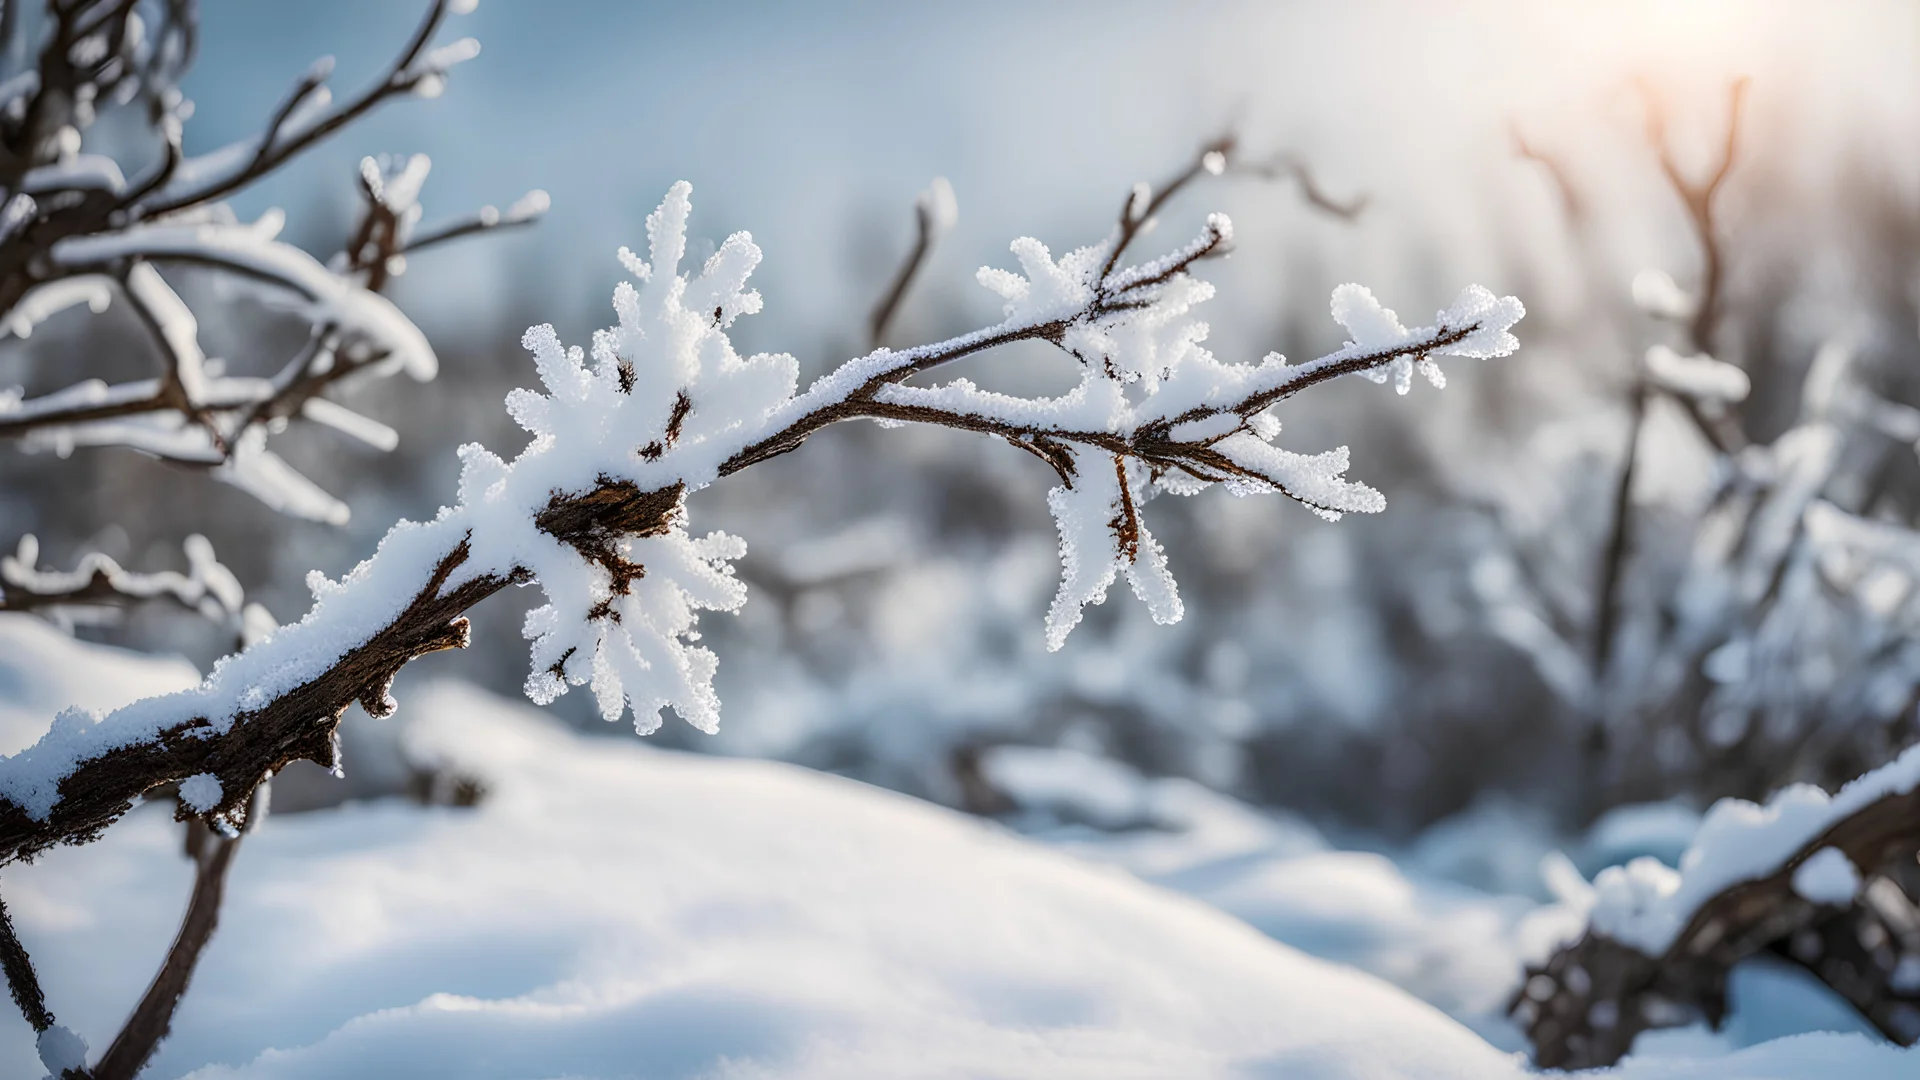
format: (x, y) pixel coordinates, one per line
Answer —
(663, 392)
(667, 380)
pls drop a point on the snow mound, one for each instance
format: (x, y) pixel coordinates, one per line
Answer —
(613, 910)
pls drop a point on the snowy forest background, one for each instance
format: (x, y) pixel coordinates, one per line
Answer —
(1388, 741)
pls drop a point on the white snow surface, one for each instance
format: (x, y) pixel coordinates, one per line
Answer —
(618, 911)
(614, 911)
(1454, 947)
(1827, 877)
(201, 791)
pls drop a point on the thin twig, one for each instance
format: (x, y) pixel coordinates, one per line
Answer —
(1698, 196)
(455, 230)
(1290, 164)
(398, 80)
(1143, 202)
(1614, 556)
(1115, 293)
(152, 1018)
(883, 312)
(1571, 203)
(21, 980)
(1725, 435)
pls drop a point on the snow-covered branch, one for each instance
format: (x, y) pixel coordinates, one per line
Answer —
(99, 586)
(195, 414)
(390, 215)
(594, 509)
(1786, 877)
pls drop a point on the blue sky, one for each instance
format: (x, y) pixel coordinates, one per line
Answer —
(814, 125)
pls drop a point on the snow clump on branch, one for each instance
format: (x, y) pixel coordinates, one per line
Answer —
(665, 380)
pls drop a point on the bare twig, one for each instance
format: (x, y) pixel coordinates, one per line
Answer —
(930, 212)
(1291, 165)
(402, 77)
(1144, 201)
(1571, 203)
(388, 208)
(1618, 549)
(1720, 431)
(484, 220)
(152, 1018)
(21, 980)
(1217, 157)
(1698, 196)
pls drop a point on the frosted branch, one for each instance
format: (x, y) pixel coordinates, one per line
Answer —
(1791, 877)
(390, 211)
(594, 509)
(99, 585)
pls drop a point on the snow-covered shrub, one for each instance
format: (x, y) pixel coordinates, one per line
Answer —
(88, 217)
(1745, 615)
(1751, 625)
(77, 231)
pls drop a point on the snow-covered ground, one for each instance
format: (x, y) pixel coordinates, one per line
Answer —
(1451, 918)
(614, 910)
